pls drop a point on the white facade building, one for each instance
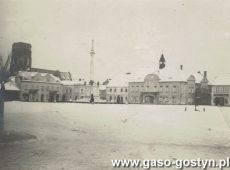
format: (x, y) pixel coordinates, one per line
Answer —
(221, 90)
(42, 87)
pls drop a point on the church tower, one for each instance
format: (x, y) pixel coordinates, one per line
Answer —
(92, 54)
(21, 57)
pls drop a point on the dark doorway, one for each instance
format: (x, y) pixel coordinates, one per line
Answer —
(42, 97)
(63, 97)
(149, 99)
(219, 101)
(121, 99)
(118, 99)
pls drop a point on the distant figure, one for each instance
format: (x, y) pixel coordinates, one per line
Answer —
(204, 109)
(92, 99)
(185, 109)
(196, 108)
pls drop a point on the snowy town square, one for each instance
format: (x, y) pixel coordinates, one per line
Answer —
(114, 85)
(74, 136)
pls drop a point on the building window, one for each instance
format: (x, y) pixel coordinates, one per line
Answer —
(225, 89)
(115, 90)
(126, 90)
(192, 90)
(115, 97)
(219, 89)
(121, 90)
(174, 89)
(214, 89)
(110, 98)
(110, 90)
(161, 89)
(167, 88)
(174, 99)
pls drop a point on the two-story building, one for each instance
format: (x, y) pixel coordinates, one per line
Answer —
(117, 89)
(42, 87)
(164, 86)
(221, 90)
(159, 88)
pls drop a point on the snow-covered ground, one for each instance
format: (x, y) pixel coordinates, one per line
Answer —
(75, 136)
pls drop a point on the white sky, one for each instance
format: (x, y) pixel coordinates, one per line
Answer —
(128, 34)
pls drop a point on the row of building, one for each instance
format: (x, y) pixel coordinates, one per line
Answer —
(170, 86)
(164, 85)
(45, 87)
(153, 88)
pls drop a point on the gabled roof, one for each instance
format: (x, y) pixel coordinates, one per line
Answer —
(27, 75)
(172, 74)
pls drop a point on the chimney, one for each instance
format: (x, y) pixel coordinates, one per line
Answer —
(205, 74)
(181, 67)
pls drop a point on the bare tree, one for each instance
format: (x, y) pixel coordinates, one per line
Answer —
(4, 77)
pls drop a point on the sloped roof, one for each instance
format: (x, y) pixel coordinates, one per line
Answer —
(29, 75)
(26, 74)
(166, 74)
(173, 74)
(11, 85)
(65, 76)
(223, 79)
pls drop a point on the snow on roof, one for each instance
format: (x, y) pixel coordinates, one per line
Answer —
(173, 74)
(65, 76)
(28, 75)
(223, 79)
(56, 79)
(11, 85)
(166, 74)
